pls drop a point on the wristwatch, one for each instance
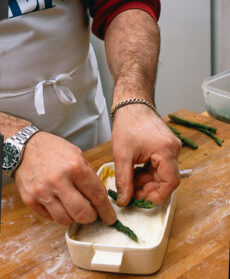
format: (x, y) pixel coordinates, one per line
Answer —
(13, 149)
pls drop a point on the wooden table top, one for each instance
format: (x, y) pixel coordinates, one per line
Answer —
(198, 247)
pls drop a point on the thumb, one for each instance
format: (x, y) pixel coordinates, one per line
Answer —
(124, 180)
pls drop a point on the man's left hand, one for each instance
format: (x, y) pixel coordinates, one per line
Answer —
(140, 136)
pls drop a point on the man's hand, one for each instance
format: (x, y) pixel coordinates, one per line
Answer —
(58, 183)
(140, 136)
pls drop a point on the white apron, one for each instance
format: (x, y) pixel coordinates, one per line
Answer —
(49, 73)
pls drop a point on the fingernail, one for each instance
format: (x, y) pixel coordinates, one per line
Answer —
(111, 221)
(120, 199)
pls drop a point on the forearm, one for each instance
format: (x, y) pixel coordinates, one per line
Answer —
(132, 48)
(10, 125)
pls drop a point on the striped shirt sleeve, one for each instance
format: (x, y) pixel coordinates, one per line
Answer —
(103, 12)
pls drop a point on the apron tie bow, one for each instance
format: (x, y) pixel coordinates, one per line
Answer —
(64, 94)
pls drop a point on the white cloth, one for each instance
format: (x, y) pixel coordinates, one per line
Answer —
(49, 74)
(63, 93)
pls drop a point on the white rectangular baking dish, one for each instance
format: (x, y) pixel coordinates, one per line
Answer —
(121, 259)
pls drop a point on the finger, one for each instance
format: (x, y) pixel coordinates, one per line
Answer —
(124, 180)
(159, 193)
(166, 170)
(91, 187)
(77, 206)
(147, 175)
(58, 212)
(148, 182)
(165, 179)
(146, 190)
(35, 206)
(142, 178)
(154, 191)
(41, 210)
(38, 197)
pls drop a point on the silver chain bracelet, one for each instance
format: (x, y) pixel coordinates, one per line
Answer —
(130, 102)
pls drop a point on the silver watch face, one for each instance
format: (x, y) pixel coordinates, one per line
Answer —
(11, 155)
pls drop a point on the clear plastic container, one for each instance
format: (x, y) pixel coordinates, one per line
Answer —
(216, 92)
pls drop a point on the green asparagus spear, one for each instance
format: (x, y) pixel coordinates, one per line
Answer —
(185, 141)
(188, 142)
(216, 139)
(113, 194)
(126, 230)
(142, 203)
(138, 203)
(174, 130)
(192, 124)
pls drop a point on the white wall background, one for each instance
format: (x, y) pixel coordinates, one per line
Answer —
(184, 59)
(225, 52)
(106, 78)
(221, 38)
(185, 55)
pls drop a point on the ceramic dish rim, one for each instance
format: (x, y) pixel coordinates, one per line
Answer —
(99, 245)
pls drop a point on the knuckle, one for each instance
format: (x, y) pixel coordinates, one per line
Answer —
(46, 200)
(99, 198)
(169, 144)
(174, 183)
(54, 179)
(77, 151)
(156, 199)
(163, 195)
(40, 193)
(173, 145)
(66, 221)
(121, 182)
(50, 179)
(38, 190)
(29, 201)
(76, 167)
(82, 216)
(178, 144)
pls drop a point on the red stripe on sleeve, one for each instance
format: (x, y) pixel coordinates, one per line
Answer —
(104, 12)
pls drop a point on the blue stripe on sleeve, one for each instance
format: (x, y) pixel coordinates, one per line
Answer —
(15, 8)
(49, 4)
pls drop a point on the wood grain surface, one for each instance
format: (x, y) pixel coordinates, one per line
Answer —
(198, 247)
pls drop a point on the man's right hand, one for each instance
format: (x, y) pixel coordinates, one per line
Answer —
(58, 183)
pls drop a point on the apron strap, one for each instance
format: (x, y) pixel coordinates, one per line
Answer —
(64, 94)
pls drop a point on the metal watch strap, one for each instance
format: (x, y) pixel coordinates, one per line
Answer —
(23, 135)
